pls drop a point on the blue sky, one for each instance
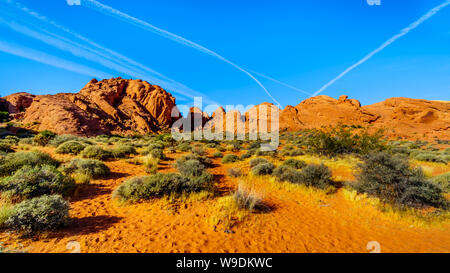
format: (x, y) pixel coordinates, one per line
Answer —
(304, 44)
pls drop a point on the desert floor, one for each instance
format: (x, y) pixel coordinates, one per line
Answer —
(301, 220)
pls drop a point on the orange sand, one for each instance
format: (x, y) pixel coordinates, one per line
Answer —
(297, 224)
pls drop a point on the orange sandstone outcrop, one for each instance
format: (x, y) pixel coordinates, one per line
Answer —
(120, 106)
(115, 106)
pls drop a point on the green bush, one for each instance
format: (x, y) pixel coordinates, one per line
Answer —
(96, 152)
(44, 137)
(246, 155)
(4, 116)
(29, 182)
(230, 159)
(203, 159)
(45, 213)
(13, 140)
(263, 169)
(60, 139)
(294, 163)
(318, 176)
(391, 179)
(432, 157)
(190, 167)
(123, 151)
(5, 147)
(159, 185)
(443, 180)
(184, 147)
(158, 154)
(14, 161)
(343, 140)
(287, 173)
(70, 147)
(217, 154)
(256, 161)
(91, 167)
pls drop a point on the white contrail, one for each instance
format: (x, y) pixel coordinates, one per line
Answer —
(149, 27)
(101, 55)
(402, 33)
(281, 83)
(51, 60)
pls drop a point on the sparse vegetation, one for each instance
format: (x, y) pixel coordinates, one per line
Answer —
(230, 158)
(234, 172)
(14, 161)
(96, 152)
(263, 169)
(29, 182)
(70, 147)
(45, 213)
(44, 137)
(393, 180)
(90, 167)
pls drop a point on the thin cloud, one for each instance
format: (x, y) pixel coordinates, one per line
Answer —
(48, 59)
(99, 54)
(149, 27)
(281, 83)
(402, 33)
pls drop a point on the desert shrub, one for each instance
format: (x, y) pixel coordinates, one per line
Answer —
(95, 152)
(14, 161)
(190, 167)
(391, 179)
(29, 182)
(342, 140)
(260, 152)
(249, 200)
(44, 137)
(257, 161)
(217, 155)
(443, 180)
(26, 141)
(6, 210)
(5, 147)
(198, 149)
(150, 164)
(295, 152)
(184, 147)
(70, 147)
(93, 168)
(230, 159)
(318, 176)
(246, 155)
(203, 159)
(158, 154)
(432, 157)
(60, 139)
(4, 116)
(159, 185)
(263, 169)
(123, 151)
(287, 173)
(234, 172)
(45, 213)
(13, 140)
(294, 163)
(221, 149)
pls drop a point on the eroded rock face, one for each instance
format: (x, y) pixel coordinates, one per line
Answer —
(116, 106)
(120, 106)
(323, 110)
(413, 118)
